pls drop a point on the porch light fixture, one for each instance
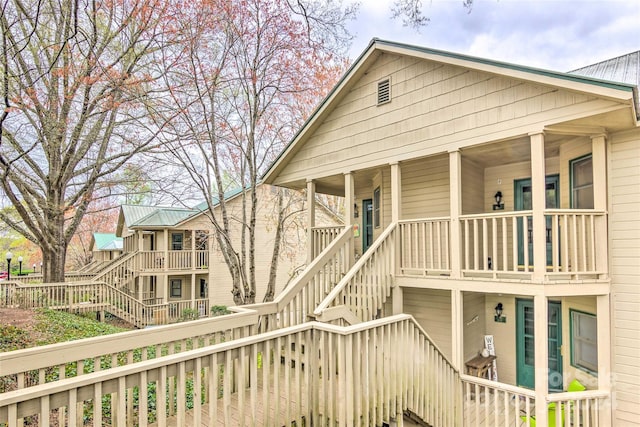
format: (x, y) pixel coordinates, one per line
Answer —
(499, 205)
(356, 213)
(499, 317)
(8, 257)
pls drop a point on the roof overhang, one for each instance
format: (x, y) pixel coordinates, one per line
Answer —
(620, 92)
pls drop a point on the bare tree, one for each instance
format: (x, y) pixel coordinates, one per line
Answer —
(245, 77)
(77, 88)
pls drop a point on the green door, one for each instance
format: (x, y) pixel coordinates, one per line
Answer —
(525, 344)
(367, 224)
(523, 203)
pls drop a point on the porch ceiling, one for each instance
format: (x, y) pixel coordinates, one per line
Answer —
(512, 151)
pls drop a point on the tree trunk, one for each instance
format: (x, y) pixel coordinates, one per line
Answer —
(275, 254)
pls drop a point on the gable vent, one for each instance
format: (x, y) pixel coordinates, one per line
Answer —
(384, 91)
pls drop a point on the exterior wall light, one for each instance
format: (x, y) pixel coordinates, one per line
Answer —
(499, 317)
(498, 205)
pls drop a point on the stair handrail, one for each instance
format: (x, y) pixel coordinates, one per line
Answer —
(280, 303)
(409, 388)
(335, 292)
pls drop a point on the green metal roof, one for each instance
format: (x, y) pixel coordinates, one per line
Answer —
(153, 216)
(107, 242)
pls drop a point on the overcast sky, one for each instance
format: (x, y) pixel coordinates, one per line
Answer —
(559, 35)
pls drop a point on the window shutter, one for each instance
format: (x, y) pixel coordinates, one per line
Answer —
(384, 91)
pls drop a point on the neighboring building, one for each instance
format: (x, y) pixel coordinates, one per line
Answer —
(516, 195)
(104, 248)
(173, 256)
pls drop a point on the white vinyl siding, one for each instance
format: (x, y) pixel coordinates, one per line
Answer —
(434, 108)
(624, 235)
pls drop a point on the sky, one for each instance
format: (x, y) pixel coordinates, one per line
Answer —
(559, 35)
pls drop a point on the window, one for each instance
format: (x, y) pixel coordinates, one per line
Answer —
(176, 288)
(582, 183)
(176, 241)
(584, 341)
(376, 207)
(384, 91)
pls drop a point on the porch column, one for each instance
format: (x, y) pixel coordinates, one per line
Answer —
(349, 200)
(193, 249)
(599, 162)
(541, 341)
(311, 218)
(455, 209)
(603, 319)
(538, 203)
(457, 342)
(396, 215)
(396, 192)
(140, 240)
(193, 291)
(166, 249)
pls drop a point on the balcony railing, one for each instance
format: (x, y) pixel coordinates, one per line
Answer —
(322, 236)
(425, 247)
(501, 245)
(173, 260)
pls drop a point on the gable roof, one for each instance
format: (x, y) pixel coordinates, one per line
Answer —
(136, 216)
(621, 91)
(106, 242)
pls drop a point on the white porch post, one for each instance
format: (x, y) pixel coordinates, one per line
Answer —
(311, 218)
(166, 249)
(140, 240)
(457, 342)
(396, 192)
(455, 209)
(396, 215)
(349, 200)
(603, 318)
(538, 203)
(193, 290)
(599, 161)
(193, 249)
(541, 341)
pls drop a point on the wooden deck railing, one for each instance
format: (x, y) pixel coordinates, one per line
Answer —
(322, 236)
(573, 237)
(93, 297)
(45, 364)
(295, 303)
(121, 272)
(366, 287)
(491, 242)
(425, 246)
(492, 404)
(500, 244)
(311, 374)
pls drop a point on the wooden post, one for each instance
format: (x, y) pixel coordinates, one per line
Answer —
(603, 319)
(457, 340)
(349, 200)
(396, 215)
(599, 161)
(538, 203)
(396, 192)
(311, 218)
(455, 209)
(541, 332)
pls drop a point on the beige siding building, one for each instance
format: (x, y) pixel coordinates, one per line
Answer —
(515, 194)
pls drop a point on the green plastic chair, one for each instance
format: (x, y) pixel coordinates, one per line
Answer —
(574, 386)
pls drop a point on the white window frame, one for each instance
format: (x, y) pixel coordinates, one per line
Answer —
(577, 358)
